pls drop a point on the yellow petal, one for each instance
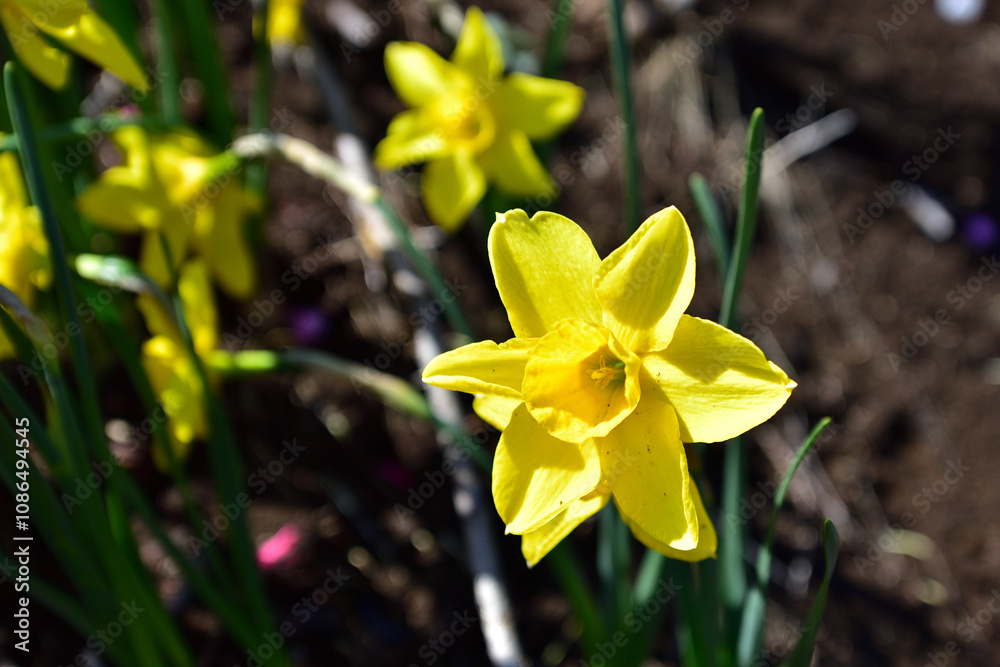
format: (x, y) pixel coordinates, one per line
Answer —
(644, 463)
(131, 196)
(544, 270)
(535, 476)
(410, 139)
(478, 50)
(114, 203)
(719, 382)
(48, 63)
(24, 249)
(417, 74)
(284, 23)
(158, 322)
(75, 25)
(541, 108)
(707, 540)
(198, 304)
(537, 543)
(153, 261)
(451, 188)
(482, 368)
(645, 285)
(13, 193)
(513, 165)
(222, 241)
(495, 410)
(176, 384)
(579, 384)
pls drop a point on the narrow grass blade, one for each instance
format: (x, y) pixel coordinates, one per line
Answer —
(205, 52)
(711, 217)
(127, 350)
(260, 98)
(428, 271)
(620, 70)
(614, 565)
(226, 467)
(561, 23)
(23, 349)
(20, 107)
(165, 46)
(696, 642)
(732, 536)
(802, 655)
(120, 272)
(752, 624)
(564, 563)
(746, 221)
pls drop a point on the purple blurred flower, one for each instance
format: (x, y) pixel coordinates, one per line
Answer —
(981, 232)
(310, 324)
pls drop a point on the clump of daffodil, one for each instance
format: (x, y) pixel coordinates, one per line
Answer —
(176, 184)
(72, 24)
(168, 364)
(24, 250)
(604, 381)
(470, 123)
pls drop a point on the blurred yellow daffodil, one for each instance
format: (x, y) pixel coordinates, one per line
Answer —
(605, 380)
(74, 25)
(24, 250)
(284, 24)
(470, 123)
(173, 184)
(168, 364)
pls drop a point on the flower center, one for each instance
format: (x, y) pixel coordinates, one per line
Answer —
(605, 375)
(465, 119)
(579, 382)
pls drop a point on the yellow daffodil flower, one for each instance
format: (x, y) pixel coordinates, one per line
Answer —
(74, 25)
(24, 250)
(169, 366)
(169, 184)
(604, 381)
(470, 123)
(284, 24)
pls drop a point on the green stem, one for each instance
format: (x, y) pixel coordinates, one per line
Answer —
(562, 22)
(565, 565)
(711, 217)
(697, 646)
(732, 537)
(752, 624)
(618, 45)
(260, 97)
(204, 49)
(166, 58)
(614, 561)
(746, 221)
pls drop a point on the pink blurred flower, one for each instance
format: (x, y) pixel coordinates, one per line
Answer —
(280, 548)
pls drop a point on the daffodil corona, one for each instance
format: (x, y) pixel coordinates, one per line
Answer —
(470, 123)
(604, 381)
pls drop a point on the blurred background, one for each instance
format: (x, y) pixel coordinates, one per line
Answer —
(874, 284)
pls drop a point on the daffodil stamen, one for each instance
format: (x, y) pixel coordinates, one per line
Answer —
(605, 375)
